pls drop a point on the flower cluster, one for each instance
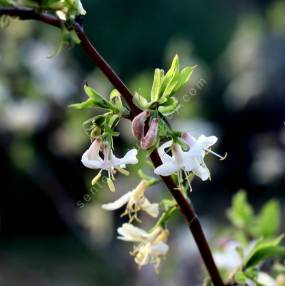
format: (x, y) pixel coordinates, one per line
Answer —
(182, 156)
(253, 238)
(150, 246)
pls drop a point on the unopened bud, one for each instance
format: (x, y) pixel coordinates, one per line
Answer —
(151, 136)
(138, 124)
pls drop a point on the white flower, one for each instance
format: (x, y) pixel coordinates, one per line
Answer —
(171, 164)
(135, 201)
(231, 256)
(150, 246)
(191, 160)
(228, 258)
(91, 159)
(266, 280)
(198, 148)
(181, 162)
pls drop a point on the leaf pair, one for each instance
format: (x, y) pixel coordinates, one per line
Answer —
(164, 87)
(94, 100)
(174, 80)
(263, 250)
(265, 224)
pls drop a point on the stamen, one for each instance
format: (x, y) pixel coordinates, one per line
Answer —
(96, 178)
(217, 155)
(187, 178)
(110, 185)
(123, 171)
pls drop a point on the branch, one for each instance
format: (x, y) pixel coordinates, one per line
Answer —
(185, 207)
(30, 14)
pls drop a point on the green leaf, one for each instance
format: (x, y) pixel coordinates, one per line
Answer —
(98, 100)
(171, 74)
(166, 215)
(155, 91)
(241, 213)
(251, 273)
(167, 204)
(115, 98)
(262, 251)
(269, 219)
(169, 90)
(240, 277)
(168, 107)
(184, 77)
(114, 93)
(6, 3)
(140, 101)
(52, 5)
(89, 103)
(113, 120)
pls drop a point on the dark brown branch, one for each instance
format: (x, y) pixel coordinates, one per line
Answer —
(30, 14)
(193, 223)
(106, 69)
(185, 207)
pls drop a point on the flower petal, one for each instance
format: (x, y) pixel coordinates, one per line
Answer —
(130, 232)
(189, 139)
(167, 168)
(118, 203)
(159, 249)
(129, 158)
(201, 171)
(189, 163)
(207, 142)
(92, 164)
(162, 153)
(151, 209)
(93, 150)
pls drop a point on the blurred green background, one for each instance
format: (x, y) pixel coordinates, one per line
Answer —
(236, 93)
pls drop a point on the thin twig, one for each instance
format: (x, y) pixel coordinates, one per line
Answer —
(185, 207)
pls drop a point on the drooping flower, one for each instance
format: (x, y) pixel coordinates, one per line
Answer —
(191, 160)
(231, 256)
(92, 159)
(149, 247)
(135, 201)
(171, 164)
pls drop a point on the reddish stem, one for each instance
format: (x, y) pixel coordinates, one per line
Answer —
(185, 206)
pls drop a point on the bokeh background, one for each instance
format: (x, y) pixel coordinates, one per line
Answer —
(236, 93)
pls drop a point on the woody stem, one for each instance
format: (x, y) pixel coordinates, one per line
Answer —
(185, 206)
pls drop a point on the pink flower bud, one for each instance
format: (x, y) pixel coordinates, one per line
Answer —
(151, 136)
(138, 124)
